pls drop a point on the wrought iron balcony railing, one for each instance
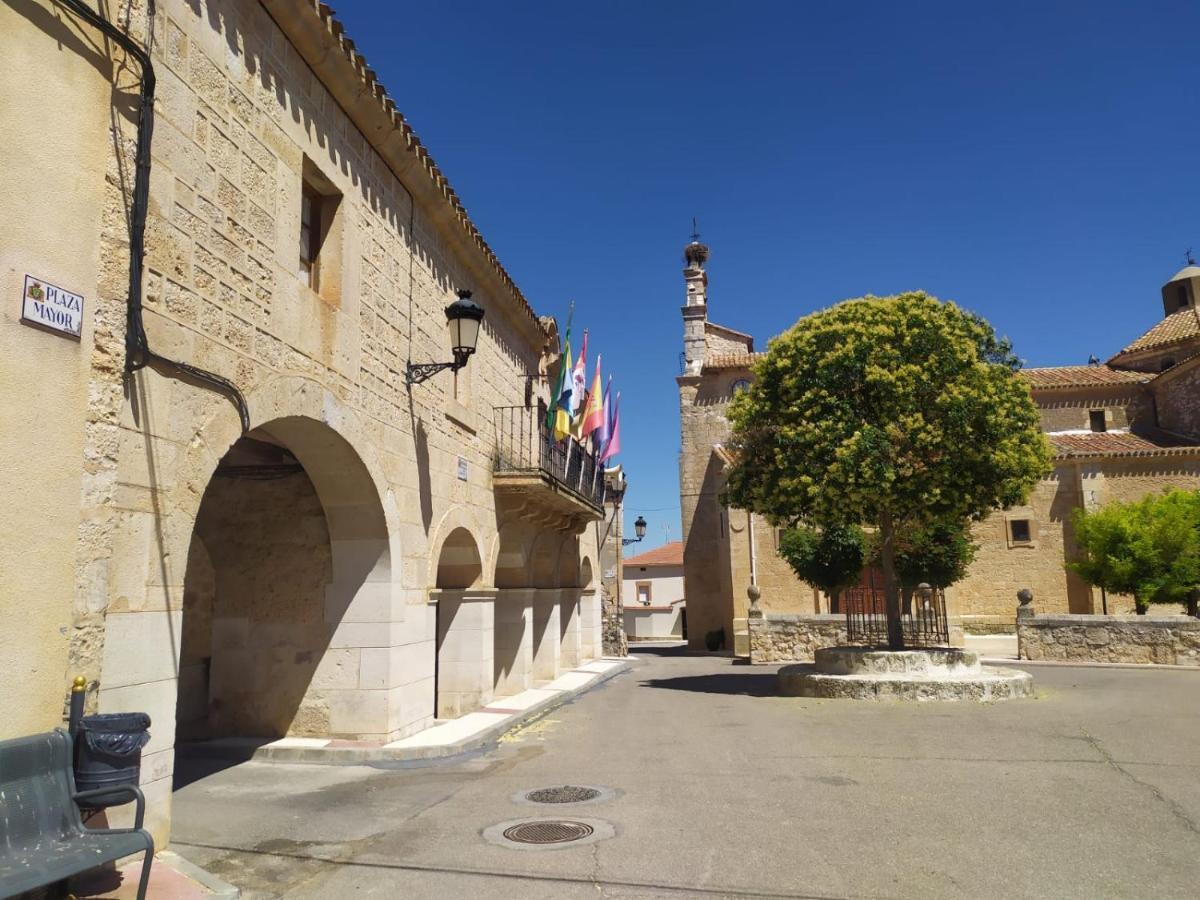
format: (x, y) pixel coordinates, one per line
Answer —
(525, 444)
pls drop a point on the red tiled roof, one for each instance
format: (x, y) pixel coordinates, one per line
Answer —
(1080, 376)
(1118, 443)
(1179, 326)
(732, 360)
(667, 555)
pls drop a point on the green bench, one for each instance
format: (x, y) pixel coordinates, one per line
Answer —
(42, 836)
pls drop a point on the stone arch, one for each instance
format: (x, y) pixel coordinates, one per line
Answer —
(354, 508)
(459, 565)
(462, 625)
(454, 519)
(297, 541)
(279, 398)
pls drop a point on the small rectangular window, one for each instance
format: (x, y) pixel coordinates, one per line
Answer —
(643, 593)
(1096, 419)
(310, 236)
(1019, 531)
(319, 235)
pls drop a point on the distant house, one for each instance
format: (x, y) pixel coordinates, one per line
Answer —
(652, 591)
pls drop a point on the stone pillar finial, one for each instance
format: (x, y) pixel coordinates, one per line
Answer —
(753, 592)
(1025, 597)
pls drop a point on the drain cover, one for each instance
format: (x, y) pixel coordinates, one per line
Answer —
(568, 793)
(544, 832)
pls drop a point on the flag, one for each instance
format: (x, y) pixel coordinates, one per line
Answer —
(579, 388)
(561, 410)
(602, 433)
(613, 447)
(593, 413)
(563, 381)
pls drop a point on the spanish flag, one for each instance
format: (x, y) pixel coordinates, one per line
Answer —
(593, 414)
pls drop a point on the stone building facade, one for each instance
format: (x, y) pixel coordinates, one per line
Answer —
(265, 530)
(724, 550)
(1119, 430)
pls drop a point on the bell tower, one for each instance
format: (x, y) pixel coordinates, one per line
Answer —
(695, 307)
(1183, 290)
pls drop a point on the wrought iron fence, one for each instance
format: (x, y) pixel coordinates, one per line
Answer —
(525, 444)
(923, 619)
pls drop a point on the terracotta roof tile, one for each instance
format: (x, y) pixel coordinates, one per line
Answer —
(732, 360)
(667, 555)
(1118, 443)
(1080, 376)
(1178, 326)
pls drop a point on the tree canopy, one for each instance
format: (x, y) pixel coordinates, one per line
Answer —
(887, 411)
(936, 552)
(829, 558)
(1149, 548)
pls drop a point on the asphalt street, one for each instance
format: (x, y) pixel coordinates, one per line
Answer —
(719, 789)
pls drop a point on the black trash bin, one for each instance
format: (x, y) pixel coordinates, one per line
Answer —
(108, 753)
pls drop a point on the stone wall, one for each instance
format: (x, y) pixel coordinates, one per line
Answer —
(780, 637)
(253, 101)
(1068, 410)
(613, 636)
(716, 538)
(1168, 640)
(1178, 400)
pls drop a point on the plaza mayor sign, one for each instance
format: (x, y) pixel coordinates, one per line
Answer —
(51, 307)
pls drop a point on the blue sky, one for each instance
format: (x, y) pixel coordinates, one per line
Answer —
(1036, 162)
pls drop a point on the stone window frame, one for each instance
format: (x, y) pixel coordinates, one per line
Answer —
(327, 233)
(1009, 530)
(1105, 416)
(637, 592)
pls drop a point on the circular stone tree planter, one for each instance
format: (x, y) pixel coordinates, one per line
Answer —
(861, 673)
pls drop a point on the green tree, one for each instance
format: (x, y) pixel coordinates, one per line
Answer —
(888, 411)
(937, 552)
(829, 558)
(1149, 548)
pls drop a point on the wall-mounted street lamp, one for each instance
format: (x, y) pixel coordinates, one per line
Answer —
(639, 528)
(463, 316)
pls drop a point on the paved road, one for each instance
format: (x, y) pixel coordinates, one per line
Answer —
(1091, 790)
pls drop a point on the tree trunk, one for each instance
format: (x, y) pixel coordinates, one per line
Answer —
(891, 586)
(834, 598)
(1139, 606)
(1193, 606)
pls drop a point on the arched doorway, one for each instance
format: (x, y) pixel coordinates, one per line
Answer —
(463, 624)
(287, 585)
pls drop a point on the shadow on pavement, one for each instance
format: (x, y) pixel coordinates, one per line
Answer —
(751, 684)
(648, 649)
(195, 761)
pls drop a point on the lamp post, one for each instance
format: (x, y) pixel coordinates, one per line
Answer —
(639, 528)
(463, 317)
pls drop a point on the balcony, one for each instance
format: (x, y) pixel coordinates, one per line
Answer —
(558, 482)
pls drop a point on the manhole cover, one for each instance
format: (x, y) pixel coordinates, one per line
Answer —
(568, 793)
(548, 832)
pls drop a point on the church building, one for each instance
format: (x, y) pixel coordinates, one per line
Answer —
(1119, 430)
